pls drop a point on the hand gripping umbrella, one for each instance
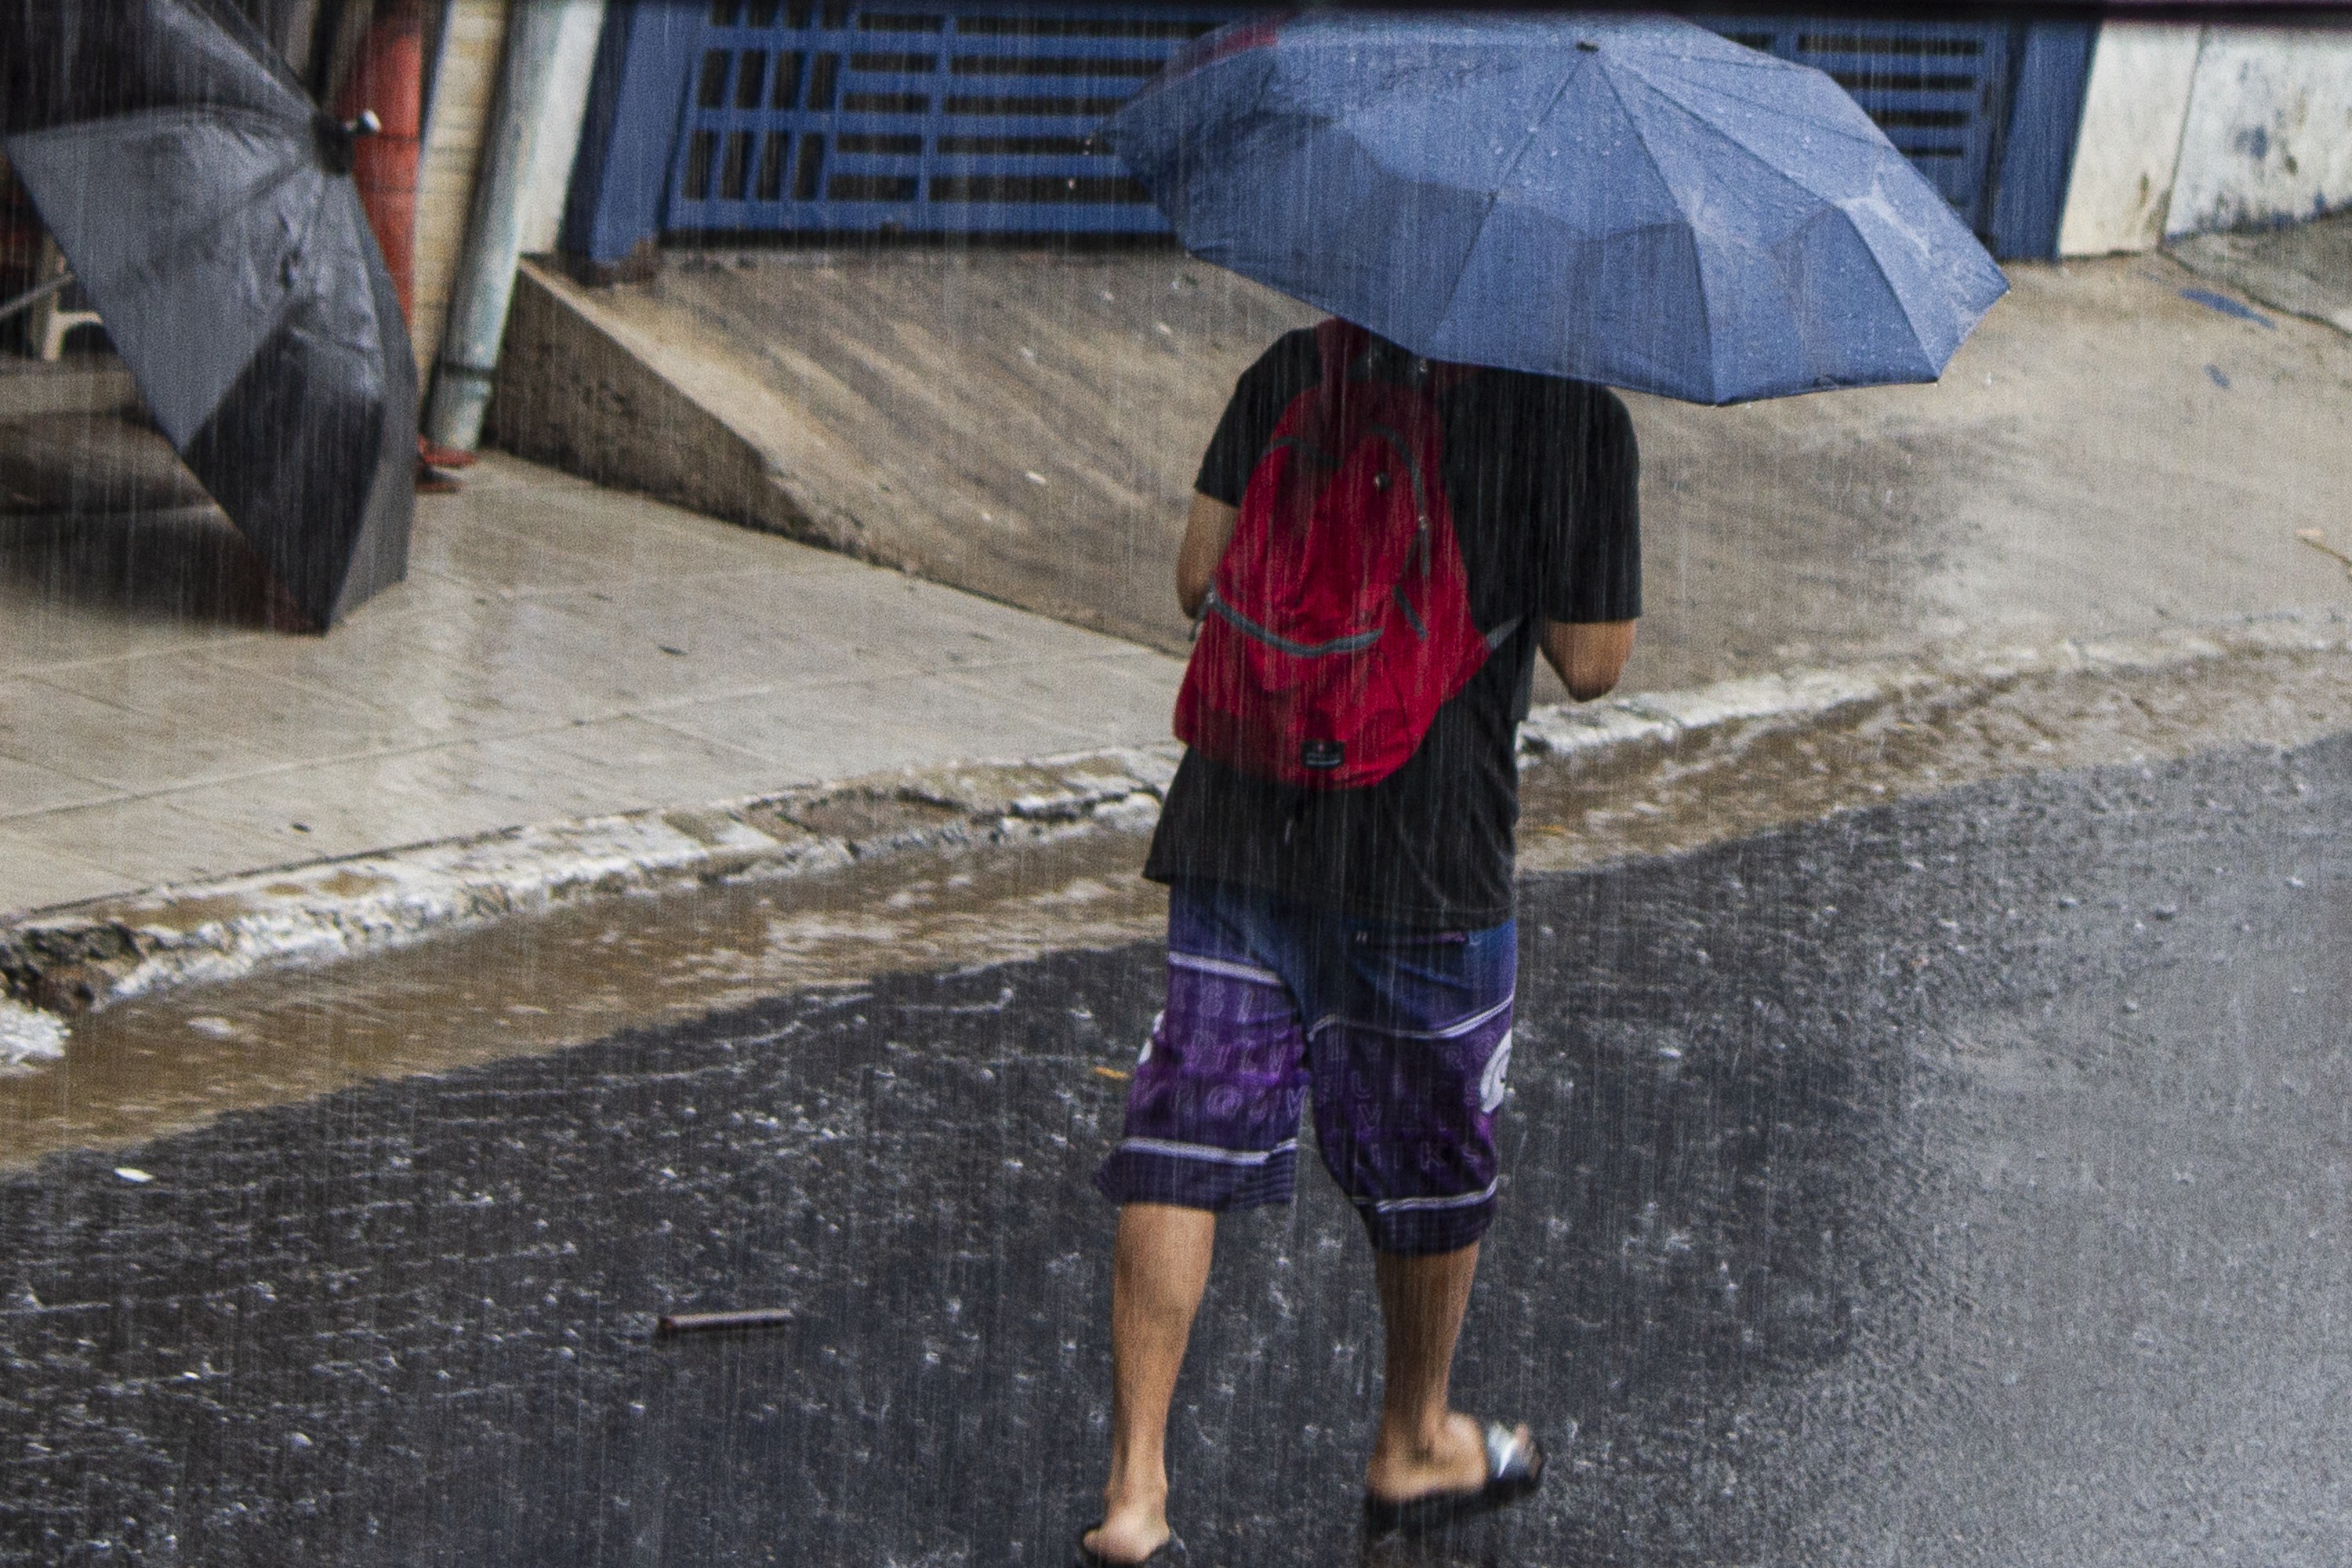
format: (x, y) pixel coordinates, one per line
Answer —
(1626, 199)
(204, 204)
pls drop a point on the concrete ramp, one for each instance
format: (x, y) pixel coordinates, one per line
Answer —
(1024, 426)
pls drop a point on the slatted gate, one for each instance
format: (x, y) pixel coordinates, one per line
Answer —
(971, 116)
(1939, 90)
(837, 117)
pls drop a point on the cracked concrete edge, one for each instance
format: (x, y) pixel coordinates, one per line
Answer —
(71, 958)
(62, 961)
(1619, 728)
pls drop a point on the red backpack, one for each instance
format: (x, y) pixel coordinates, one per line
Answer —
(1339, 621)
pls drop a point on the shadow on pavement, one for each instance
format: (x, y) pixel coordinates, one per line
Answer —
(99, 510)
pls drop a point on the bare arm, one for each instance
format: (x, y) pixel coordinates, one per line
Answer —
(1208, 530)
(1588, 655)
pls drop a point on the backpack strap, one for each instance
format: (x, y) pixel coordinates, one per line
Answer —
(1340, 344)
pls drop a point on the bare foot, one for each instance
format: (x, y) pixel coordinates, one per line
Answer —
(1129, 1532)
(1402, 1471)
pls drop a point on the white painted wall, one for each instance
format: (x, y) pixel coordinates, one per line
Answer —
(2269, 134)
(2189, 129)
(2133, 111)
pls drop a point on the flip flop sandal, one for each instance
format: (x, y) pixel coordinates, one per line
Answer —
(1514, 1470)
(1167, 1553)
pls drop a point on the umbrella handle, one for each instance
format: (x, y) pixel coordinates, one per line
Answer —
(338, 140)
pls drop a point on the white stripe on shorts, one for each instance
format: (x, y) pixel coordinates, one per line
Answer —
(1208, 1151)
(1463, 1201)
(1450, 1031)
(1229, 968)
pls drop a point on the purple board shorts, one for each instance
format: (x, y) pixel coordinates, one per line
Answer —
(1403, 1036)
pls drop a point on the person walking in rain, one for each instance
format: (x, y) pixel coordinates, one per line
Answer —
(1377, 551)
(1379, 547)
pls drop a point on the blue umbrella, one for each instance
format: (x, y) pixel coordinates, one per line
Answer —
(1632, 200)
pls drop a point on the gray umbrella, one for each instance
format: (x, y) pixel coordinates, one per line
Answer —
(206, 205)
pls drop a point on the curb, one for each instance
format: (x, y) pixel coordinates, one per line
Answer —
(64, 961)
(1621, 727)
(69, 960)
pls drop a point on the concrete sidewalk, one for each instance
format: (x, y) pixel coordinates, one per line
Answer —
(2114, 455)
(558, 652)
(2120, 448)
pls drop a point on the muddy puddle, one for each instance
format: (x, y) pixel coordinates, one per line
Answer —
(157, 1064)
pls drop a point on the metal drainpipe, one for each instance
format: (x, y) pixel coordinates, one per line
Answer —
(485, 267)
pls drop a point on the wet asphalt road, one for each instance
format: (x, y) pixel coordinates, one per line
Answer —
(1965, 1181)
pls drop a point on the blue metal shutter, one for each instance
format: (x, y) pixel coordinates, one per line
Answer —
(971, 116)
(941, 118)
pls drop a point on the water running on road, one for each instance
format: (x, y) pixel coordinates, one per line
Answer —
(1958, 1182)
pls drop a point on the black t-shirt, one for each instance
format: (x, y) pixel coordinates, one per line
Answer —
(1542, 477)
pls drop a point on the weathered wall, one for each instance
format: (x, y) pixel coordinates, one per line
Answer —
(465, 83)
(2269, 134)
(2133, 111)
(2187, 130)
(465, 97)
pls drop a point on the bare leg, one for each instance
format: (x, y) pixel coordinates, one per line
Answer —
(1423, 1446)
(1158, 1273)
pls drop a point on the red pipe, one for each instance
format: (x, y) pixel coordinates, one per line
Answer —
(388, 77)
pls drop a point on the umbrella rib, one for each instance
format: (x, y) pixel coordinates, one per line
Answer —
(1875, 140)
(1706, 310)
(1494, 196)
(219, 219)
(1756, 155)
(1869, 134)
(1831, 203)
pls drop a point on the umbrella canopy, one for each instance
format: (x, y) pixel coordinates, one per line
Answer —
(1626, 199)
(205, 206)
